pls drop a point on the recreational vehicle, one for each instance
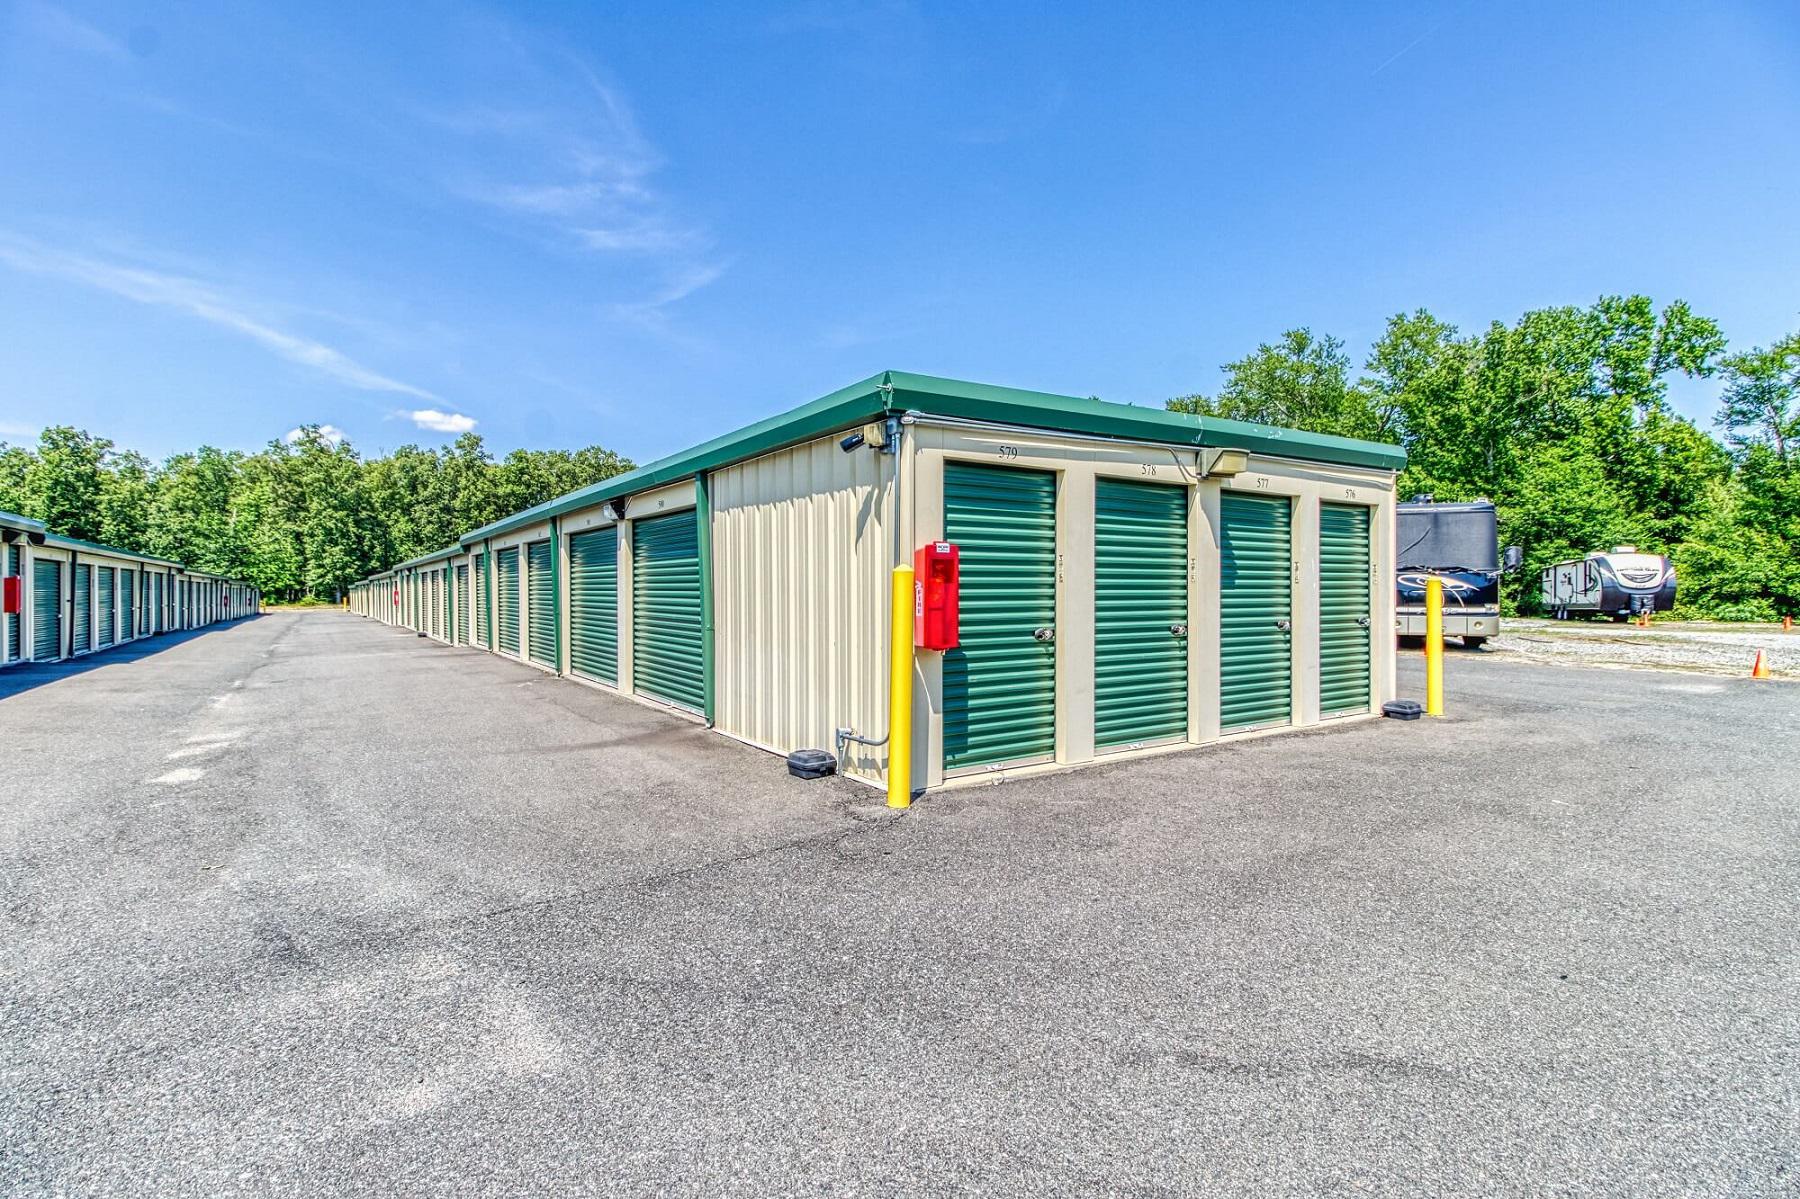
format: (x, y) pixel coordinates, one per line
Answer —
(1621, 584)
(1457, 543)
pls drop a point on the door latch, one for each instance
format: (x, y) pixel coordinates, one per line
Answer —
(1178, 630)
(1363, 621)
(1284, 625)
(1044, 634)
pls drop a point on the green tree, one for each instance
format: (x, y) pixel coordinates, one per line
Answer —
(1761, 404)
(1300, 382)
(63, 482)
(126, 487)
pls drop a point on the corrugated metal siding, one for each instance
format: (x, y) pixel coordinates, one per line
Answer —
(459, 630)
(506, 594)
(157, 619)
(105, 604)
(1255, 594)
(802, 547)
(46, 610)
(1344, 616)
(665, 610)
(594, 604)
(482, 573)
(1000, 684)
(127, 604)
(1140, 612)
(81, 634)
(542, 629)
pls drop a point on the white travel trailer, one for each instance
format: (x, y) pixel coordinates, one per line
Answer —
(1620, 584)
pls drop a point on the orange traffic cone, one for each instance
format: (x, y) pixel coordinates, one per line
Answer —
(1760, 669)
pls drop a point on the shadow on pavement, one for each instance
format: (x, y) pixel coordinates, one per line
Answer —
(16, 680)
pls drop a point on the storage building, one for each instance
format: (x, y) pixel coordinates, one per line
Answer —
(64, 597)
(1131, 579)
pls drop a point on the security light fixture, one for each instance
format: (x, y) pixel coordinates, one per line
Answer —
(615, 509)
(1220, 464)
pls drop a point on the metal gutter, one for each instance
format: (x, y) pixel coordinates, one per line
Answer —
(703, 546)
(94, 547)
(849, 406)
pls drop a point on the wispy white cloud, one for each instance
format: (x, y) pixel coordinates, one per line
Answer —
(189, 296)
(559, 150)
(64, 29)
(330, 434)
(441, 422)
(651, 311)
(10, 429)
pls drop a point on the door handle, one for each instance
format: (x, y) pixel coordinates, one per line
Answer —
(1284, 625)
(1044, 634)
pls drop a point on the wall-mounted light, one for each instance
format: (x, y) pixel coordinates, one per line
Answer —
(35, 538)
(615, 509)
(8, 536)
(1221, 463)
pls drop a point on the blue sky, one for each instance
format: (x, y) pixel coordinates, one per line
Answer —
(640, 226)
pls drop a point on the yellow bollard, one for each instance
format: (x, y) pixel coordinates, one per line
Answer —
(900, 672)
(1434, 646)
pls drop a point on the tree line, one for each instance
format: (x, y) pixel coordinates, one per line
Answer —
(1563, 420)
(303, 517)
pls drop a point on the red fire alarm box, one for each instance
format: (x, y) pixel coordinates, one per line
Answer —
(935, 570)
(14, 594)
(396, 597)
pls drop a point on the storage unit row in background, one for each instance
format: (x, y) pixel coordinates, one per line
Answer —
(65, 597)
(1130, 579)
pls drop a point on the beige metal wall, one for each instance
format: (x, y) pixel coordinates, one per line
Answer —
(802, 555)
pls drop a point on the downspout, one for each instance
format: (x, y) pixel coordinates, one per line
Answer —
(556, 597)
(487, 599)
(703, 545)
(73, 553)
(900, 653)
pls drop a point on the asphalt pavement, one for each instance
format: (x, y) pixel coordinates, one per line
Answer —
(307, 905)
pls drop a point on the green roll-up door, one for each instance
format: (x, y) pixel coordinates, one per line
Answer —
(666, 657)
(105, 603)
(1255, 610)
(506, 592)
(437, 603)
(594, 604)
(12, 618)
(46, 610)
(82, 632)
(542, 629)
(128, 604)
(483, 576)
(1000, 683)
(156, 607)
(459, 632)
(1344, 615)
(1140, 612)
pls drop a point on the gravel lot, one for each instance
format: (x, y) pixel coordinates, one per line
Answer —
(309, 906)
(1667, 645)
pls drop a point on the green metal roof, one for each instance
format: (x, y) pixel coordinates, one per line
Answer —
(94, 547)
(1102, 418)
(22, 522)
(423, 559)
(899, 392)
